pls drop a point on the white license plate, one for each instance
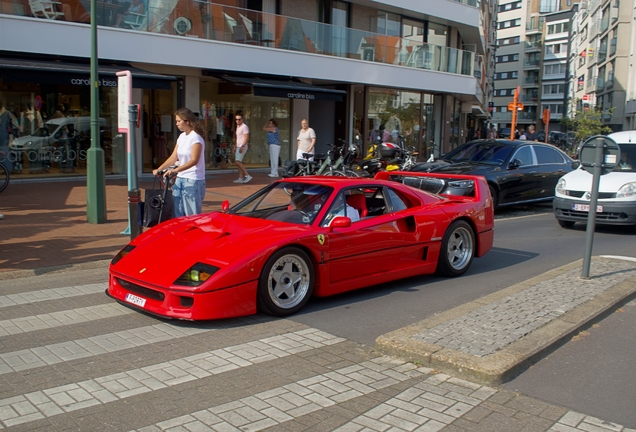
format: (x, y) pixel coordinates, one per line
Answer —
(586, 207)
(131, 298)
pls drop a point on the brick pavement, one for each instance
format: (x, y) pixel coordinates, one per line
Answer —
(45, 224)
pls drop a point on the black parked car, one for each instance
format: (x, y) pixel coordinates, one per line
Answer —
(517, 171)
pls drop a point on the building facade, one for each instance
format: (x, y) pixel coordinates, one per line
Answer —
(405, 68)
(601, 73)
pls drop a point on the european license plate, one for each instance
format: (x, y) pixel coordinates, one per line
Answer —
(131, 298)
(586, 207)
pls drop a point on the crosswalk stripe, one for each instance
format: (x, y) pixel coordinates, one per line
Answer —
(430, 405)
(71, 397)
(62, 318)
(282, 404)
(107, 343)
(50, 294)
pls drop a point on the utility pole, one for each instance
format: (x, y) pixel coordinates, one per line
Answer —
(95, 170)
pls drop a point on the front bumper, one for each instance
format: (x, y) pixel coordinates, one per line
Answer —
(231, 302)
(614, 212)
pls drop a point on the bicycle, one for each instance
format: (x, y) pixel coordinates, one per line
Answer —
(4, 172)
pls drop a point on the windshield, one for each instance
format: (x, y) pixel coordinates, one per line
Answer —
(486, 152)
(627, 162)
(46, 130)
(296, 203)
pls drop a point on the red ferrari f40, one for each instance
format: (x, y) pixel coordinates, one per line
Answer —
(302, 237)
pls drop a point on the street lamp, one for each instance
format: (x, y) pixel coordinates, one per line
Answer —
(95, 171)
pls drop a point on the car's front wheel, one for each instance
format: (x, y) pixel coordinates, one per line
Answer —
(458, 249)
(286, 283)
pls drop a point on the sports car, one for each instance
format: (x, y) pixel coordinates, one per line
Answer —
(300, 237)
(518, 172)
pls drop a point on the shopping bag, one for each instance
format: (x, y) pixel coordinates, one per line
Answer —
(157, 206)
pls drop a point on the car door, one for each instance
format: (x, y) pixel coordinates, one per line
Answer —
(369, 246)
(551, 166)
(521, 181)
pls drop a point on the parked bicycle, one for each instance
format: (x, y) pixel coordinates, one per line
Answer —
(4, 172)
(336, 162)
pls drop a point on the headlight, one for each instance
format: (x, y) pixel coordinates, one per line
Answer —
(196, 275)
(560, 187)
(461, 184)
(122, 253)
(627, 190)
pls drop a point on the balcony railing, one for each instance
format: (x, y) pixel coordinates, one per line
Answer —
(532, 45)
(529, 98)
(531, 63)
(505, 116)
(600, 83)
(199, 19)
(591, 82)
(531, 80)
(612, 49)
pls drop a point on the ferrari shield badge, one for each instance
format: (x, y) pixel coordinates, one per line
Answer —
(321, 239)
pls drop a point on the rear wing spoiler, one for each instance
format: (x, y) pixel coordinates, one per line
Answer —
(438, 183)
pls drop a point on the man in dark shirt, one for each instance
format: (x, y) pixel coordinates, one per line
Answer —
(531, 135)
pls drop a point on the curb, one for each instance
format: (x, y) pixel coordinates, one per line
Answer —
(17, 274)
(514, 358)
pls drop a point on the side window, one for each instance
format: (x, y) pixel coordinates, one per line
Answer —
(546, 155)
(524, 156)
(395, 201)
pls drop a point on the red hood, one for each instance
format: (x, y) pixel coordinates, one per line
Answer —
(168, 250)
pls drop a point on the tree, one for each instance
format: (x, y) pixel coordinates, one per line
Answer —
(586, 123)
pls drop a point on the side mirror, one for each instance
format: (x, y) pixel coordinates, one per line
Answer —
(225, 206)
(340, 222)
(515, 163)
(576, 164)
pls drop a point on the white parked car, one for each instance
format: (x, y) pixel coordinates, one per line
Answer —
(617, 190)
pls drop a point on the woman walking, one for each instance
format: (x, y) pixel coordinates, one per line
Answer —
(189, 188)
(273, 141)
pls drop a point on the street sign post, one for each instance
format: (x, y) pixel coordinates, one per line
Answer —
(546, 121)
(515, 106)
(599, 155)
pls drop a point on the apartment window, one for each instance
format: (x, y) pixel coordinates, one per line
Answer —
(509, 6)
(510, 23)
(554, 108)
(553, 89)
(584, 33)
(506, 75)
(508, 41)
(554, 69)
(507, 58)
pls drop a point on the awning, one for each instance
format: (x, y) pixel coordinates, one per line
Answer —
(67, 73)
(293, 89)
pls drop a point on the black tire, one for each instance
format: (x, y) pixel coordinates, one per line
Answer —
(565, 224)
(4, 177)
(278, 294)
(494, 195)
(458, 250)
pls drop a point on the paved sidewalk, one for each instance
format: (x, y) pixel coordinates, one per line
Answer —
(45, 224)
(496, 337)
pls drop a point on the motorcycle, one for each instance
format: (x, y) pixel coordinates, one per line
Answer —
(387, 156)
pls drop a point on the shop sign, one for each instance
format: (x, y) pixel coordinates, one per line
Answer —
(86, 82)
(37, 103)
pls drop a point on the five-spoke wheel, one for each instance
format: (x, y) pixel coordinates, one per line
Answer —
(286, 282)
(458, 249)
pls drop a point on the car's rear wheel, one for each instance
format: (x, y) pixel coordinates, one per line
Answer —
(458, 249)
(565, 224)
(286, 283)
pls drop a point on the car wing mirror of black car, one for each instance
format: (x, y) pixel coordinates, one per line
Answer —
(515, 163)
(340, 222)
(576, 164)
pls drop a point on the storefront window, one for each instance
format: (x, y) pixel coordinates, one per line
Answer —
(159, 132)
(393, 116)
(51, 127)
(220, 101)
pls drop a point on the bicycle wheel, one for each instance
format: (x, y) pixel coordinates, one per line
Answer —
(4, 177)
(346, 173)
